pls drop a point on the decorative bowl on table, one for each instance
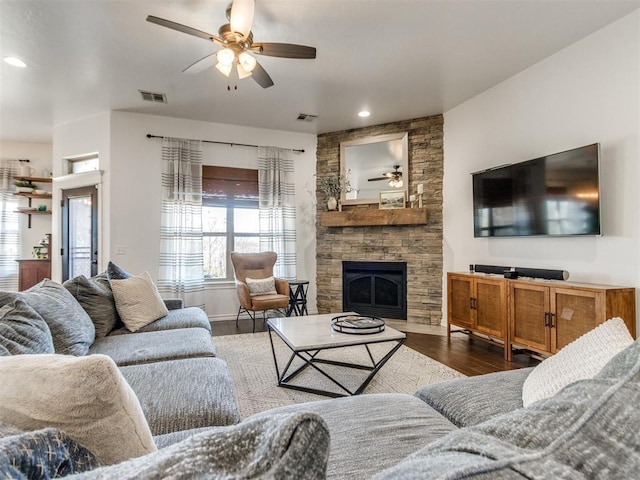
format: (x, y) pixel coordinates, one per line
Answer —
(357, 324)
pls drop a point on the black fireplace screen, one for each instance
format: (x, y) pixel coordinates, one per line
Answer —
(375, 288)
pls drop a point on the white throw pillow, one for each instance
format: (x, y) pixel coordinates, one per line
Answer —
(85, 397)
(261, 286)
(581, 359)
(138, 301)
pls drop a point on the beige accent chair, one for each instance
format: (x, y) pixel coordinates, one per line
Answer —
(258, 266)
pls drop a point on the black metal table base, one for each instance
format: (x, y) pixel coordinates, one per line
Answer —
(309, 357)
(298, 298)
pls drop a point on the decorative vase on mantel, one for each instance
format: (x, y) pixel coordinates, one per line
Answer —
(332, 203)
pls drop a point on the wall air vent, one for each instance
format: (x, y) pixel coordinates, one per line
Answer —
(153, 97)
(306, 117)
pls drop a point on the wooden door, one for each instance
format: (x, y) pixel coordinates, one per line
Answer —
(459, 300)
(490, 312)
(79, 232)
(528, 316)
(574, 313)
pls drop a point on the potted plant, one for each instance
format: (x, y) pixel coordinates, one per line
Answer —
(25, 187)
(332, 187)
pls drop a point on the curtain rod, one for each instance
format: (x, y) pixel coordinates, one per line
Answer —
(297, 150)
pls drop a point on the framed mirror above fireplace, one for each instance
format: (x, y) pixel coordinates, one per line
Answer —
(374, 164)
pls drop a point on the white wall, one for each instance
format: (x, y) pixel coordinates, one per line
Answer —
(135, 171)
(40, 155)
(587, 93)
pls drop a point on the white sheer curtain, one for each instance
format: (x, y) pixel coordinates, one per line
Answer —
(181, 268)
(276, 189)
(9, 226)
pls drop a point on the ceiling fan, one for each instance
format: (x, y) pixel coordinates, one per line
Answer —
(236, 38)
(395, 177)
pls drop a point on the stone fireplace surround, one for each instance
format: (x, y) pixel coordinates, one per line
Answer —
(420, 246)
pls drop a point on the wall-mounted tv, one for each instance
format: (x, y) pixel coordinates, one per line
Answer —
(555, 195)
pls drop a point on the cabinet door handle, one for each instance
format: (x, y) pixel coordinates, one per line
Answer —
(471, 303)
(551, 316)
(546, 319)
(475, 303)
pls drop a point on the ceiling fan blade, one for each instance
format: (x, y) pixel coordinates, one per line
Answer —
(377, 179)
(241, 16)
(261, 76)
(201, 65)
(184, 29)
(284, 50)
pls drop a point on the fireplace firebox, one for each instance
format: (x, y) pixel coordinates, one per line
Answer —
(375, 288)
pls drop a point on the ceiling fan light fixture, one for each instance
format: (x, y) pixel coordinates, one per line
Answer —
(226, 56)
(224, 68)
(242, 73)
(242, 16)
(396, 183)
(247, 61)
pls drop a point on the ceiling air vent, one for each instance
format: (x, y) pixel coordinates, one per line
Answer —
(153, 97)
(306, 117)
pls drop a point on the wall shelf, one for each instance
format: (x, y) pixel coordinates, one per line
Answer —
(366, 217)
(33, 195)
(34, 179)
(33, 211)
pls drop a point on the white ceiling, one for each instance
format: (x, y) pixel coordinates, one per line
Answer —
(399, 59)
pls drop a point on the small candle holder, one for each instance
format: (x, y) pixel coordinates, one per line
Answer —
(412, 200)
(420, 190)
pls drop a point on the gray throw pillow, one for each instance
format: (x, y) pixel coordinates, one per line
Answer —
(71, 328)
(96, 298)
(23, 331)
(47, 453)
(114, 272)
(587, 430)
(294, 445)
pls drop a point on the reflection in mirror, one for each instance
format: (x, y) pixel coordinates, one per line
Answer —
(373, 165)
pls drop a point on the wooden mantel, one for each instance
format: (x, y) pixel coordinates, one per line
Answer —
(363, 217)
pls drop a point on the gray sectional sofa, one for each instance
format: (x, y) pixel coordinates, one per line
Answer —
(170, 364)
(475, 427)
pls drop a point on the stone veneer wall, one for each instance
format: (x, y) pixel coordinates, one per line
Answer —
(420, 246)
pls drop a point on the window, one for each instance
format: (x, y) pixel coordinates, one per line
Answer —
(229, 217)
(10, 238)
(86, 163)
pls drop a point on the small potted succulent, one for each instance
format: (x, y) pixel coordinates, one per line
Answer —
(25, 187)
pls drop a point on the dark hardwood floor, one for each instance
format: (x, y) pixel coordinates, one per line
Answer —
(467, 356)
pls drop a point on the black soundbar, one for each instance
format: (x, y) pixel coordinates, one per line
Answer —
(544, 273)
(490, 269)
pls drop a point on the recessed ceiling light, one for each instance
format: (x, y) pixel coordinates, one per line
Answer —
(364, 113)
(16, 62)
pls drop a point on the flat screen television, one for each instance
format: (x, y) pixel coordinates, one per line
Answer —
(555, 195)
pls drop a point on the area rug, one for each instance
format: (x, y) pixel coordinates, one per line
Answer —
(250, 360)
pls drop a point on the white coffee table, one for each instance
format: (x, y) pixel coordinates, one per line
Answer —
(308, 336)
